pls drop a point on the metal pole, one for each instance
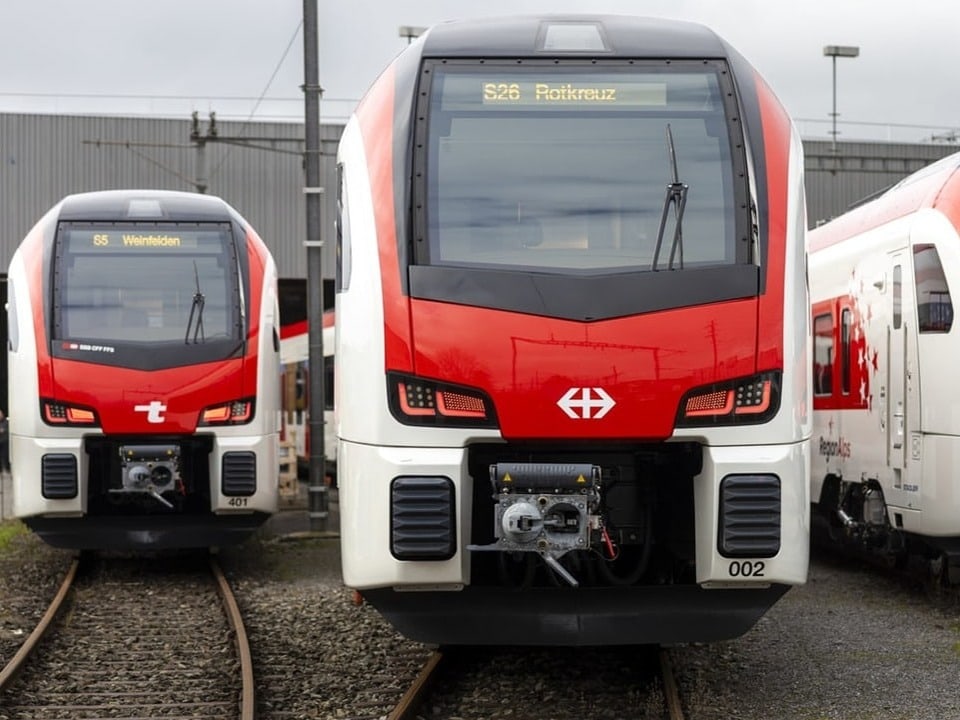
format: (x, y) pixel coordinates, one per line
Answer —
(317, 486)
(835, 51)
(201, 183)
(834, 113)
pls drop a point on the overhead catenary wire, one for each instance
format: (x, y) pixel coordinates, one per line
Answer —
(263, 94)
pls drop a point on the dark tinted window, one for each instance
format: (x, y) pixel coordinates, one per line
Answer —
(897, 296)
(846, 318)
(565, 169)
(136, 283)
(934, 307)
(823, 355)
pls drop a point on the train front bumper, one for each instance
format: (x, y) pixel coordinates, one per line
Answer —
(369, 552)
(51, 494)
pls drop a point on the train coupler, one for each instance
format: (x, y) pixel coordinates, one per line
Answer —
(545, 508)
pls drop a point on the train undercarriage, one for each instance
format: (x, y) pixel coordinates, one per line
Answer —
(855, 516)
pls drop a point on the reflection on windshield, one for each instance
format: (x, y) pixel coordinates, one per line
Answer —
(120, 294)
(577, 188)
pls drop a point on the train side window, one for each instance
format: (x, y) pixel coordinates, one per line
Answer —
(343, 234)
(823, 354)
(934, 307)
(897, 297)
(13, 328)
(846, 320)
(329, 383)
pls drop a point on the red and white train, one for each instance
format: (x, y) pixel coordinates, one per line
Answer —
(573, 329)
(886, 441)
(295, 384)
(144, 373)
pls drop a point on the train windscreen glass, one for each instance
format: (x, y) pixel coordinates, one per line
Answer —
(144, 283)
(563, 169)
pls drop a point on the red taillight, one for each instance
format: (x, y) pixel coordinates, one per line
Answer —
(79, 416)
(753, 399)
(455, 404)
(414, 401)
(218, 414)
(55, 413)
(711, 403)
(233, 413)
(419, 400)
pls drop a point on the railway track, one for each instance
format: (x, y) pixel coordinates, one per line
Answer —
(486, 683)
(158, 637)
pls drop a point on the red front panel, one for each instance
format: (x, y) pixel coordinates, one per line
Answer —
(776, 159)
(132, 401)
(375, 114)
(528, 364)
(532, 365)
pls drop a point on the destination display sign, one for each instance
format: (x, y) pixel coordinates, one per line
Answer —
(653, 91)
(580, 92)
(86, 240)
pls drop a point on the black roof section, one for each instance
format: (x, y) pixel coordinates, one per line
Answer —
(624, 36)
(145, 206)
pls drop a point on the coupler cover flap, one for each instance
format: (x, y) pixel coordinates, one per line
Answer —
(520, 477)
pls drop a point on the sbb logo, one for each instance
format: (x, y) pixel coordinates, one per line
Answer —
(586, 403)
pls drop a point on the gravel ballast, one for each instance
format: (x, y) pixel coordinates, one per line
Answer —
(856, 642)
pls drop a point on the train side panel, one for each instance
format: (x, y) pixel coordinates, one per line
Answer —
(295, 371)
(885, 434)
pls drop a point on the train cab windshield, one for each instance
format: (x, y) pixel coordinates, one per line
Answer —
(146, 295)
(565, 169)
(537, 184)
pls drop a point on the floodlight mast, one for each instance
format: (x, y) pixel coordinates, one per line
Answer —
(835, 51)
(410, 32)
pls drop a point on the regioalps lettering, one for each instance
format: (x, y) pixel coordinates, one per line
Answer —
(835, 448)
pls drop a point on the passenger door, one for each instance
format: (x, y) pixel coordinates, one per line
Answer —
(903, 401)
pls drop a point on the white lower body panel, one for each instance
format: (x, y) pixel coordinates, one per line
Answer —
(366, 473)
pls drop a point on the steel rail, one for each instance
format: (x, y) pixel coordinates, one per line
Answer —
(11, 669)
(670, 691)
(410, 701)
(247, 698)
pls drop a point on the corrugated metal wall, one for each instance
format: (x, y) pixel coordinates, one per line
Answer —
(45, 157)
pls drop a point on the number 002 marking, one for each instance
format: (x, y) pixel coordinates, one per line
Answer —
(746, 568)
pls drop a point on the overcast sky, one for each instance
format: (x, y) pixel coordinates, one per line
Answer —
(170, 57)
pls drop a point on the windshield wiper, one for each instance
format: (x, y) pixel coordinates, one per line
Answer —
(677, 198)
(196, 308)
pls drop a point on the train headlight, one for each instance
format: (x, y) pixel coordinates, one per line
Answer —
(231, 413)
(753, 399)
(56, 413)
(416, 401)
